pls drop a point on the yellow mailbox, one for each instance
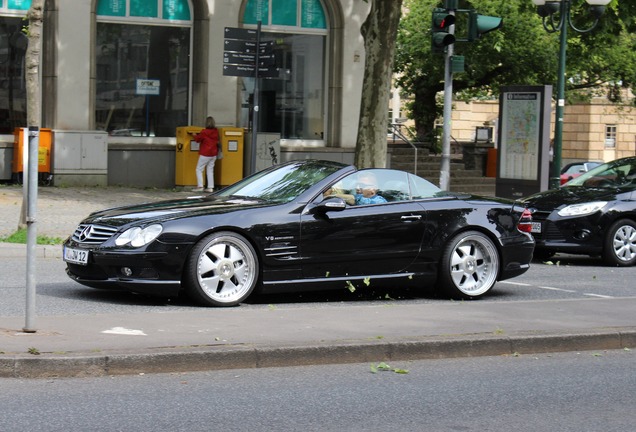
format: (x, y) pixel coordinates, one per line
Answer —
(229, 169)
(44, 150)
(187, 155)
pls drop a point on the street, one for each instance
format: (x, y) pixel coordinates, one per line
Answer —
(566, 277)
(577, 391)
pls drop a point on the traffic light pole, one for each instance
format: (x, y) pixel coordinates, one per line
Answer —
(443, 40)
(444, 174)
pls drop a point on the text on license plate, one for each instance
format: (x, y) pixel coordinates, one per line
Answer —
(77, 256)
(536, 227)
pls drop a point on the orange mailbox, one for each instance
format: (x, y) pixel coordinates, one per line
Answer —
(44, 150)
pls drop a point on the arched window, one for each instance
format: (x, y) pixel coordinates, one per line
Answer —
(292, 103)
(13, 45)
(143, 66)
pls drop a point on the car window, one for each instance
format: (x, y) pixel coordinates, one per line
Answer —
(421, 189)
(283, 183)
(371, 186)
(574, 169)
(611, 174)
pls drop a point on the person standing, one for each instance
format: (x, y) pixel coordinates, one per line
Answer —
(208, 140)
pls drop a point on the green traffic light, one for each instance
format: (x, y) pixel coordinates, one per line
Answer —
(440, 40)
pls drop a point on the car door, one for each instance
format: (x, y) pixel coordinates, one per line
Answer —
(363, 240)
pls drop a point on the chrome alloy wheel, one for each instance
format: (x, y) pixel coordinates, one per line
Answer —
(225, 270)
(472, 262)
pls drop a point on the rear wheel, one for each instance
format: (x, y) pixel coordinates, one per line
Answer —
(620, 244)
(222, 270)
(542, 255)
(469, 266)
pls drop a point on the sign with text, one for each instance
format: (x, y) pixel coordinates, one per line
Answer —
(241, 51)
(524, 141)
(149, 87)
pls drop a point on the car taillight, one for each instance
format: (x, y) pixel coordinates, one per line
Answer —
(525, 222)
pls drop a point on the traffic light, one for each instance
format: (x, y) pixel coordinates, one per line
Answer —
(440, 37)
(480, 24)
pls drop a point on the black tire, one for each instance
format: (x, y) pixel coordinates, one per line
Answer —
(222, 270)
(620, 244)
(542, 255)
(469, 267)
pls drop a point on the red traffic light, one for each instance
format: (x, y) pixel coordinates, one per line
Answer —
(442, 20)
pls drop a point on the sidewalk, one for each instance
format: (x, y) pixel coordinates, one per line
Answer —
(281, 335)
(60, 209)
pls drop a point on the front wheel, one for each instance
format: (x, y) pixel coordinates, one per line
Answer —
(222, 270)
(620, 244)
(469, 266)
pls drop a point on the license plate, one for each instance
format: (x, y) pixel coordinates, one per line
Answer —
(536, 227)
(75, 256)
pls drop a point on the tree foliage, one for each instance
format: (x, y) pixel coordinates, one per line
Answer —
(520, 53)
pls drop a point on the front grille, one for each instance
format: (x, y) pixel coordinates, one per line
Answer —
(93, 234)
(552, 233)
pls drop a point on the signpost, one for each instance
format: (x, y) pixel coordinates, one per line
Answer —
(148, 87)
(243, 51)
(244, 55)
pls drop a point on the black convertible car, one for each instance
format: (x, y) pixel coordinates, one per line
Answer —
(304, 225)
(593, 214)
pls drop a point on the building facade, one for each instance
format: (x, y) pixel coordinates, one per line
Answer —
(119, 76)
(138, 69)
(598, 130)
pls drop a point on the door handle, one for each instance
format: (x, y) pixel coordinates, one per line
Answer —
(411, 217)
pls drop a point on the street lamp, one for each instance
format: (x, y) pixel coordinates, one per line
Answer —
(556, 18)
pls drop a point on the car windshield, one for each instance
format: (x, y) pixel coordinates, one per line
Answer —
(284, 183)
(609, 175)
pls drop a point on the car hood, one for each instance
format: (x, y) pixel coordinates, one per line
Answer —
(556, 198)
(162, 211)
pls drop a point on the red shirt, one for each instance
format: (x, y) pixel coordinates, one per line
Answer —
(209, 140)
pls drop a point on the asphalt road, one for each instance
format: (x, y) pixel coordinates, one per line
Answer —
(566, 277)
(570, 392)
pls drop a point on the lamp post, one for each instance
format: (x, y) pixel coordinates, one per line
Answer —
(557, 18)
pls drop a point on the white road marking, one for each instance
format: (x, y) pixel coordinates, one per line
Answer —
(125, 331)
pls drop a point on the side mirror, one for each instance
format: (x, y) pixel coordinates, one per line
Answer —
(329, 204)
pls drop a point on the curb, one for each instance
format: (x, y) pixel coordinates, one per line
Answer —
(224, 357)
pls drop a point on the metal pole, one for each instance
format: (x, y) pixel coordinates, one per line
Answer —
(256, 100)
(444, 174)
(558, 126)
(32, 196)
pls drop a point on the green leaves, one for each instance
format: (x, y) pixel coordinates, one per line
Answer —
(520, 53)
(383, 367)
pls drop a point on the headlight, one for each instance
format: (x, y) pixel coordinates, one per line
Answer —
(138, 237)
(582, 209)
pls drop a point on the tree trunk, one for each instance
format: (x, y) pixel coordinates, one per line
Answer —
(379, 32)
(32, 78)
(425, 112)
(32, 59)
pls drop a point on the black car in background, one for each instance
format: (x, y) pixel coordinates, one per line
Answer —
(304, 225)
(593, 214)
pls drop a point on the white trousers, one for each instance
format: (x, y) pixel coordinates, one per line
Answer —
(207, 163)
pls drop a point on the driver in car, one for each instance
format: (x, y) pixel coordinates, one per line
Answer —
(366, 191)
